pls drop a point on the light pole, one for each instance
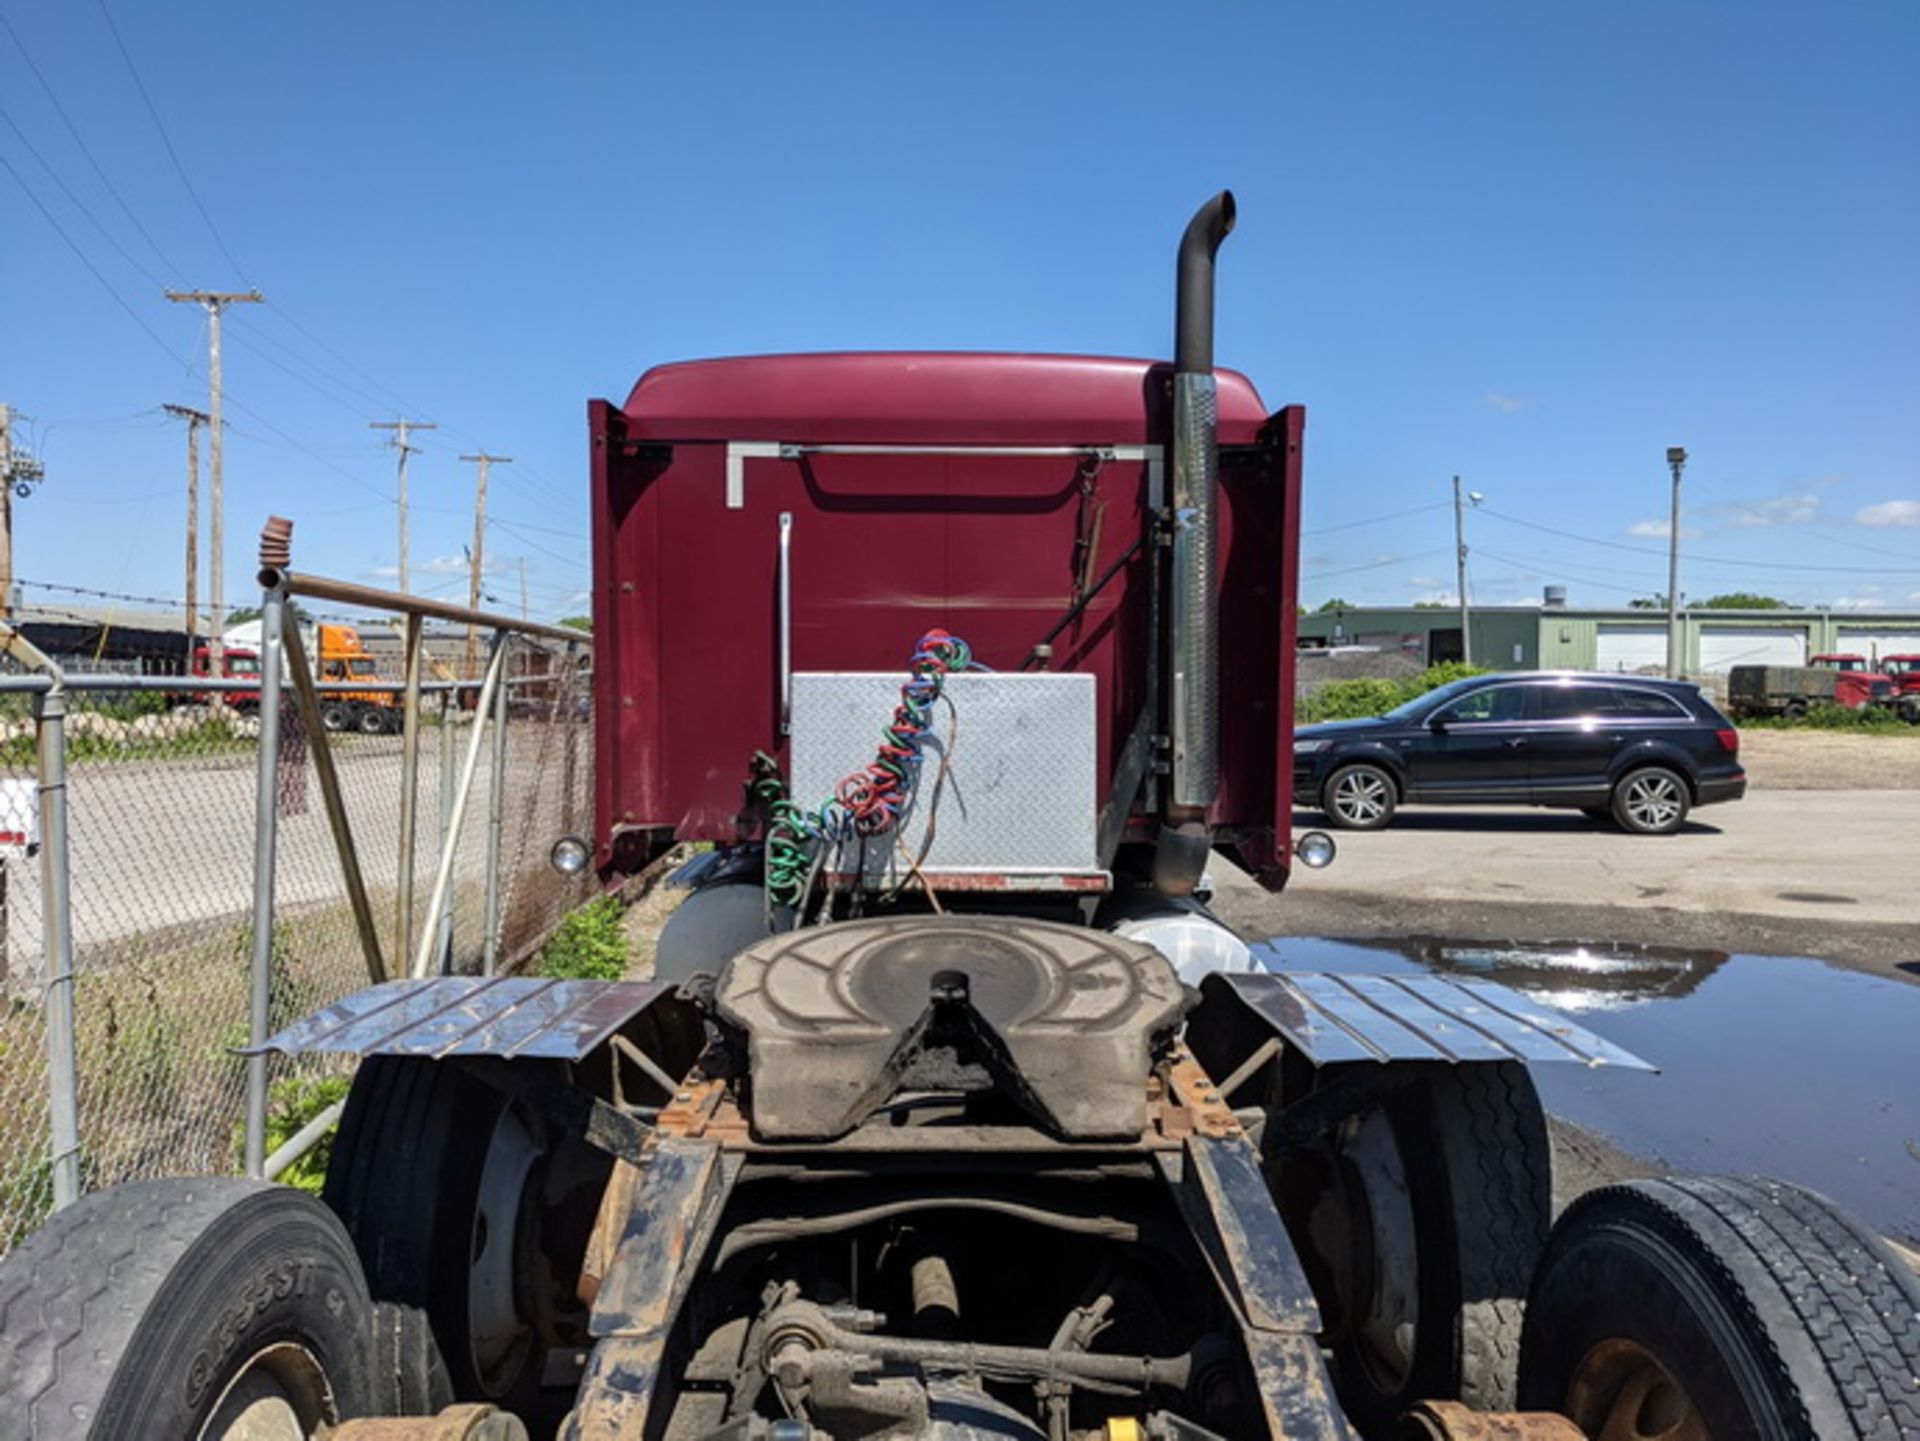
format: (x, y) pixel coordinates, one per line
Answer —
(1474, 497)
(1676, 462)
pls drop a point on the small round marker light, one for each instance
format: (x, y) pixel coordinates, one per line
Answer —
(570, 855)
(1315, 849)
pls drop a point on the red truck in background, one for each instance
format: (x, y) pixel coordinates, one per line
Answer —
(236, 663)
(1891, 680)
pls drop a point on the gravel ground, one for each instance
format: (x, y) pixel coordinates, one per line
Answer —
(1815, 760)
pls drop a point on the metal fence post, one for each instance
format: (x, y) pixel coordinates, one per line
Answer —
(443, 873)
(409, 793)
(570, 722)
(265, 837)
(63, 1077)
(496, 816)
(443, 921)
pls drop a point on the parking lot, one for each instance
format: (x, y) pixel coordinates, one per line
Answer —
(1819, 859)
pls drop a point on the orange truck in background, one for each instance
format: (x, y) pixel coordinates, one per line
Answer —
(343, 656)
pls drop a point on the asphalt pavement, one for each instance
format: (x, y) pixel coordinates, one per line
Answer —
(1833, 874)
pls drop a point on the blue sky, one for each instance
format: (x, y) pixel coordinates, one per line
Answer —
(1533, 244)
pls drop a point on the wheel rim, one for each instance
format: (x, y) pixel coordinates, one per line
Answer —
(1387, 1325)
(1621, 1392)
(1360, 796)
(498, 1334)
(281, 1394)
(1653, 801)
(1360, 1225)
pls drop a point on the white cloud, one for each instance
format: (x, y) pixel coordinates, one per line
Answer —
(1661, 529)
(1800, 507)
(1889, 513)
(1873, 600)
(1426, 582)
(1504, 403)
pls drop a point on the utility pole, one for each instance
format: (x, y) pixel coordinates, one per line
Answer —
(523, 587)
(401, 430)
(194, 419)
(17, 470)
(1676, 462)
(485, 462)
(1474, 497)
(214, 302)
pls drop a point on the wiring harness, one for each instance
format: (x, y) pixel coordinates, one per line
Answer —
(869, 803)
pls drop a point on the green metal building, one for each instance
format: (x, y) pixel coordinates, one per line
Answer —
(1554, 636)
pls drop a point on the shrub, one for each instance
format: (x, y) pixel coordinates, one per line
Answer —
(290, 1105)
(1349, 700)
(589, 945)
(1358, 699)
(1434, 676)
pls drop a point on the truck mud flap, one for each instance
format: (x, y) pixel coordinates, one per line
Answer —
(506, 1016)
(1340, 1018)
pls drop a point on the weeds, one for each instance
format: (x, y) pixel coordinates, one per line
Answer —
(291, 1104)
(589, 945)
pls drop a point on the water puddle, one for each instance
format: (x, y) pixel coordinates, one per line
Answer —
(1769, 1065)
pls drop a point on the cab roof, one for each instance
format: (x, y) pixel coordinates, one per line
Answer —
(924, 398)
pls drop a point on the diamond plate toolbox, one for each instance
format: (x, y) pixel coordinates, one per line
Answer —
(1020, 795)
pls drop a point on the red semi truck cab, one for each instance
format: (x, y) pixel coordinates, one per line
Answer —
(1904, 671)
(1859, 683)
(763, 517)
(236, 663)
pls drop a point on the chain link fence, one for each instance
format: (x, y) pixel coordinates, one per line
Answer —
(160, 796)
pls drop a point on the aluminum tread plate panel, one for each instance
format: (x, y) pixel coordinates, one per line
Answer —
(1334, 1018)
(1021, 795)
(471, 1016)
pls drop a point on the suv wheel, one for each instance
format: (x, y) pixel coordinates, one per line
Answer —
(1359, 798)
(1652, 801)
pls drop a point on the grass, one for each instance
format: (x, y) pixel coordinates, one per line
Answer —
(1826, 716)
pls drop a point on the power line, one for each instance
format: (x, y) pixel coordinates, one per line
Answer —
(1698, 559)
(1375, 520)
(1531, 567)
(81, 255)
(167, 141)
(1374, 564)
(78, 203)
(74, 131)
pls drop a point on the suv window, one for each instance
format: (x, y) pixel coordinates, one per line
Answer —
(1576, 702)
(1495, 703)
(1633, 702)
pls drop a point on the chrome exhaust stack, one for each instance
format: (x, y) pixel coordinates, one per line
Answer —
(1193, 705)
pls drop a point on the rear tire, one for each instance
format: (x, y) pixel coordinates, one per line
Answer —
(471, 1220)
(371, 721)
(1420, 1220)
(1359, 797)
(172, 1310)
(1749, 1308)
(336, 716)
(1651, 801)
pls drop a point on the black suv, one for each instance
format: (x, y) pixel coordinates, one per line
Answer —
(1634, 749)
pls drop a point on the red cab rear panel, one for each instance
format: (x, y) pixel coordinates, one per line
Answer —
(908, 514)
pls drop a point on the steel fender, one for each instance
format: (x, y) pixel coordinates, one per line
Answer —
(511, 1017)
(1331, 1019)
(1652, 752)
